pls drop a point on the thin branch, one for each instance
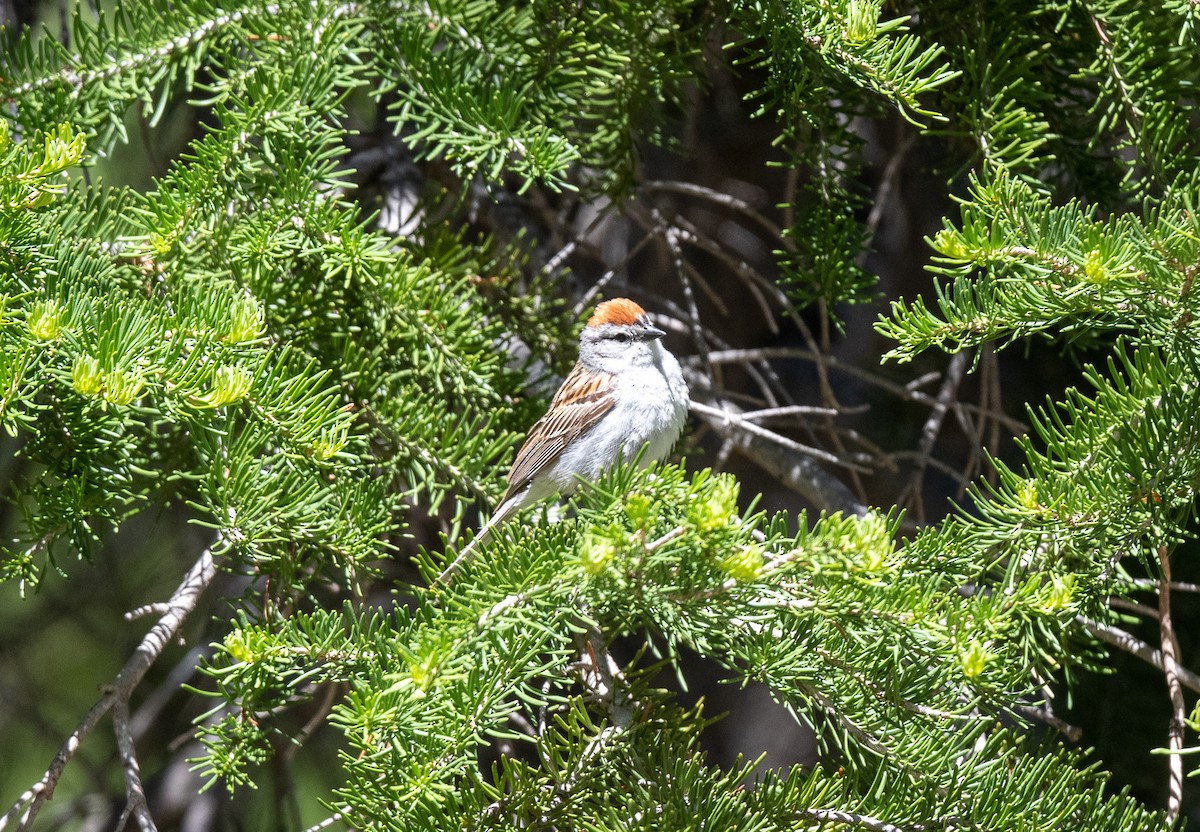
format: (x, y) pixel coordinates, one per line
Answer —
(1132, 644)
(147, 611)
(868, 739)
(931, 462)
(328, 700)
(602, 676)
(602, 282)
(907, 392)
(991, 400)
(782, 460)
(657, 544)
(724, 200)
(930, 431)
(1176, 586)
(1170, 664)
(880, 694)
(799, 410)
(329, 821)
(739, 269)
(158, 54)
(1130, 606)
(823, 816)
(1044, 715)
(135, 794)
(672, 234)
(727, 416)
(888, 182)
(156, 700)
(181, 603)
(771, 387)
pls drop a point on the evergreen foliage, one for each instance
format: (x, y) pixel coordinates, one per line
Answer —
(243, 343)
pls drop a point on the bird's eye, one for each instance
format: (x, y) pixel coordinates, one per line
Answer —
(623, 337)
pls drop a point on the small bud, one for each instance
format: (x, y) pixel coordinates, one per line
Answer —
(330, 442)
(45, 320)
(868, 542)
(1059, 594)
(596, 552)
(862, 18)
(743, 565)
(235, 645)
(246, 319)
(974, 659)
(874, 559)
(1027, 495)
(86, 377)
(718, 508)
(123, 388)
(230, 384)
(38, 198)
(63, 149)
(1093, 267)
(639, 509)
(949, 243)
(423, 672)
(159, 244)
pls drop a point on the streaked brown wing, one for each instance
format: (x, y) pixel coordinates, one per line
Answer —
(579, 404)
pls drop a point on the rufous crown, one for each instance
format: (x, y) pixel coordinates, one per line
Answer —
(619, 311)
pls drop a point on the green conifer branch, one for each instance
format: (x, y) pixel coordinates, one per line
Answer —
(806, 613)
(242, 346)
(1021, 267)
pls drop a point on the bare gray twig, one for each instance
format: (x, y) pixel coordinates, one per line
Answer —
(1122, 640)
(725, 200)
(731, 415)
(1044, 715)
(930, 431)
(181, 603)
(1170, 666)
(789, 461)
(135, 795)
(603, 679)
(908, 392)
(327, 822)
(823, 816)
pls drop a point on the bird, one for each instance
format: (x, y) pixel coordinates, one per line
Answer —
(625, 393)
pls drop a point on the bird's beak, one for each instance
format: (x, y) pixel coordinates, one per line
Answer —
(652, 333)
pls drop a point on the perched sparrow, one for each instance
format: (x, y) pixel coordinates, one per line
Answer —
(624, 393)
